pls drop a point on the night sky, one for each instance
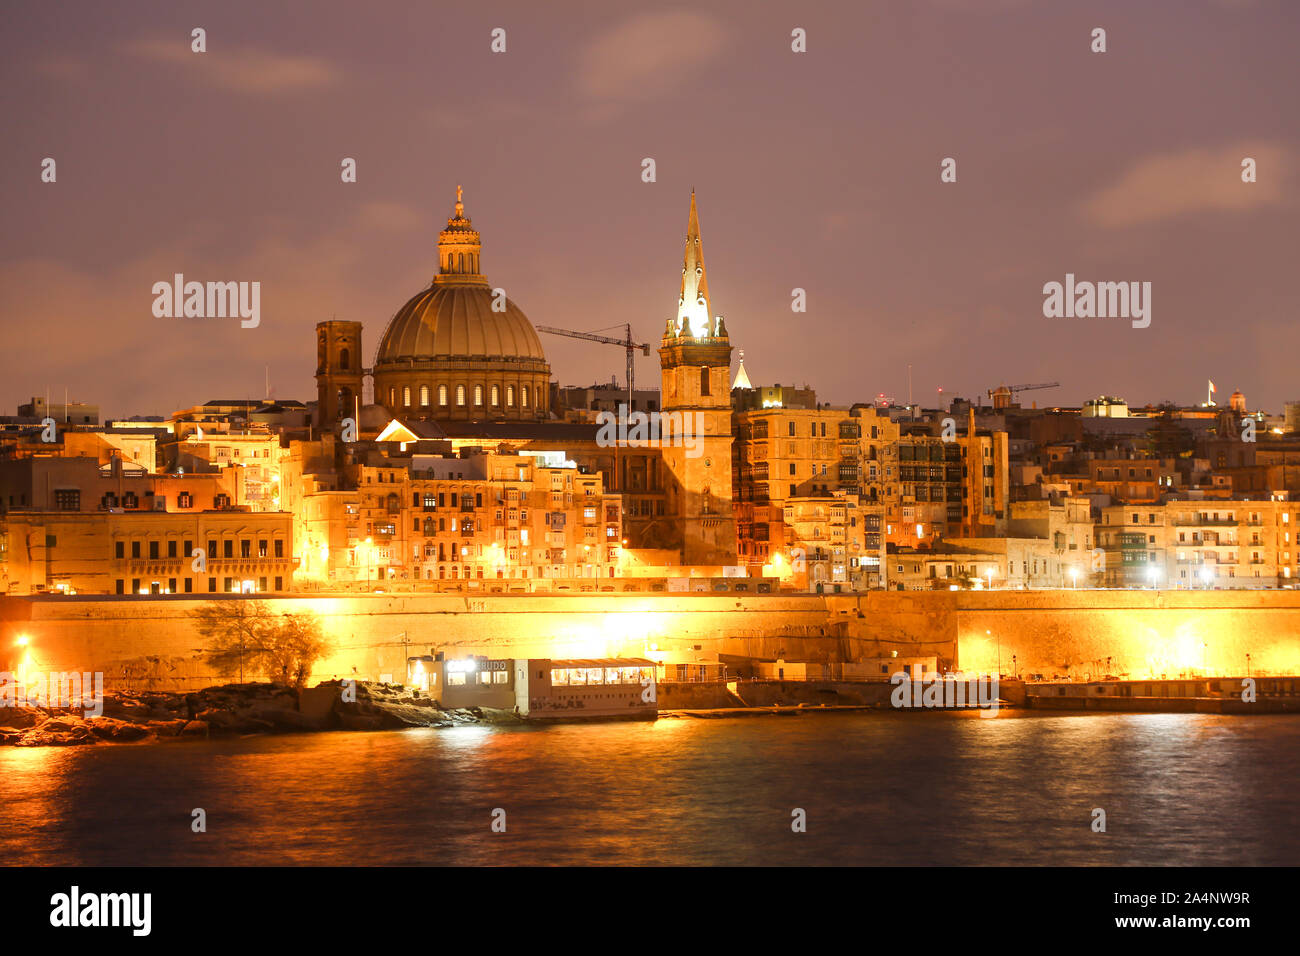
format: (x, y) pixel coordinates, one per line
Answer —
(817, 170)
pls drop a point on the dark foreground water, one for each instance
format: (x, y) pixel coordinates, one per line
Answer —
(910, 789)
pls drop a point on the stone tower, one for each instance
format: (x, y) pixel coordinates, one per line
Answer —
(338, 371)
(695, 363)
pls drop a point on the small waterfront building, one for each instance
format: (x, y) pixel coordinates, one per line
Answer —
(542, 688)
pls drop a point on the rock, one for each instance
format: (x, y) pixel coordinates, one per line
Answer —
(360, 721)
(194, 728)
(289, 720)
(167, 728)
(21, 717)
(109, 728)
(57, 732)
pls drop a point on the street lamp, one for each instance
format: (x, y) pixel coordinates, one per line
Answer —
(1074, 576)
(989, 575)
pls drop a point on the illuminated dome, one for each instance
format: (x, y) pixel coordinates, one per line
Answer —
(448, 353)
(447, 321)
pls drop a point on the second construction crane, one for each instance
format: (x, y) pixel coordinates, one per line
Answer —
(1004, 395)
(626, 342)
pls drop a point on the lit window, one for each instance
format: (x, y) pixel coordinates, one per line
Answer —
(424, 396)
(442, 395)
(406, 396)
(478, 395)
(460, 395)
(510, 396)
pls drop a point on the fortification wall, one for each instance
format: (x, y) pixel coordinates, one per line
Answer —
(151, 642)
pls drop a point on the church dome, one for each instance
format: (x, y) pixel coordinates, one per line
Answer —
(458, 322)
(448, 353)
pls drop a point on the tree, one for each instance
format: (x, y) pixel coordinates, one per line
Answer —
(247, 636)
(296, 644)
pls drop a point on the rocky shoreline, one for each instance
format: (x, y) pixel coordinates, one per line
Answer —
(232, 710)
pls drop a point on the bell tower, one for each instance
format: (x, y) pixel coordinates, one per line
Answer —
(695, 365)
(338, 371)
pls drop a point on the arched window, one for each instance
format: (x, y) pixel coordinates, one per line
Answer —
(424, 396)
(428, 527)
(523, 396)
(460, 262)
(442, 395)
(510, 396)
(406, 396)
(460, 395)
(478, 394)
(343, 358)
(496, 395)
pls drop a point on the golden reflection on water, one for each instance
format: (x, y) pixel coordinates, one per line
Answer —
(915, 789)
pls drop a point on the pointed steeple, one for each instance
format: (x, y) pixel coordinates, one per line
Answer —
(693, 317)
(742, 380)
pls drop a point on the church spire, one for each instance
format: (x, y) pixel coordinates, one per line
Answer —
(693, 317)
(742, 379)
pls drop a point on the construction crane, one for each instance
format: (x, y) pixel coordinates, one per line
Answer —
(625, 342)
(1003, 394)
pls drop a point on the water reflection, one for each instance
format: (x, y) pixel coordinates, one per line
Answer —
(912, 789)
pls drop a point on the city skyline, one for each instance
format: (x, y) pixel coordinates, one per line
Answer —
(548, 139)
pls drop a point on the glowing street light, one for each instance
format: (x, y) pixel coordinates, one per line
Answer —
(1074, 576)
(989, 575)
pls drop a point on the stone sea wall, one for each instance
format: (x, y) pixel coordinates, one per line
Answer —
(150, 643)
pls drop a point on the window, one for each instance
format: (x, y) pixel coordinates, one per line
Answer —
(228, 548)
(185, 500)
(424, 396)
(442, 395)
(119, 551)
(704, 380)
(510, 396)
(523, 396)
(67, 499)
(496, 395)
(344, 358)
(279, 548)
(460, 396)
(135, 549)
(171, 549)
(261, 547)
(406, 396)
(478, 395)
